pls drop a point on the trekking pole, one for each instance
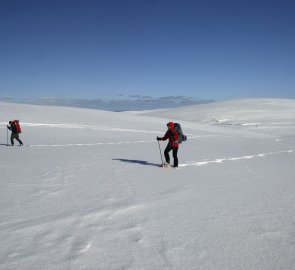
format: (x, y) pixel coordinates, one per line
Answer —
(7, 136)
(160, 152)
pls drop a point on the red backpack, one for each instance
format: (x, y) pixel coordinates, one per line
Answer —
(17, 125)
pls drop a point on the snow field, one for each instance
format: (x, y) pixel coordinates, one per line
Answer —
(88, 194)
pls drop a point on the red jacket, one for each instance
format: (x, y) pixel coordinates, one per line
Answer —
(172, 136)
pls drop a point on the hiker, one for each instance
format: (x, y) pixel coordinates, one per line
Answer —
(173, 144)
(14, 133)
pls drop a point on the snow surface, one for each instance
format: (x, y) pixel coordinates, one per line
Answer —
(87, 193)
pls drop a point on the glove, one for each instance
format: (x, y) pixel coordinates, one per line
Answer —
(159, 138)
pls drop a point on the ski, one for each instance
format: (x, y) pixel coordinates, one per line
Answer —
(167, 166)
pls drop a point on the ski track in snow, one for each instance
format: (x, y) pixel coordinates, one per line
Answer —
(101, 128)
(193, 163)
(104, 128)
(89, 144)
(92, 127)
(221, 160)
(105, 143)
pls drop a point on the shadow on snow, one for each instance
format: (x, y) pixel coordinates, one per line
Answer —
(141, 162)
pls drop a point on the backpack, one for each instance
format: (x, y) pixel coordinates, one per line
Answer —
(182, 137)
(17, 126)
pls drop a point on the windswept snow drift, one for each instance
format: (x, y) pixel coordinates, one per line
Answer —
(87, 193)
(270, 114)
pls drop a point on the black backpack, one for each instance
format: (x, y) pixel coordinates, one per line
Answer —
(181, 136)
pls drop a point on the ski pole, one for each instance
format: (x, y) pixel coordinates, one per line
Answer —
(7, 135)
(160, 152)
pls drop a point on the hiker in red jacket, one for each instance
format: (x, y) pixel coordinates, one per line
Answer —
(14, 133)
(173, 144)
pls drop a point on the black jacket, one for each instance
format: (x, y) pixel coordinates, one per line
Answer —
(12, 127)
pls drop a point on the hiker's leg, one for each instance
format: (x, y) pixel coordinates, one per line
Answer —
(166, 153)
(16, 136)
(11, 139)
(175, 150)
(20, 142)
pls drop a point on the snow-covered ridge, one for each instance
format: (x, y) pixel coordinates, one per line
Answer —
(246, 112)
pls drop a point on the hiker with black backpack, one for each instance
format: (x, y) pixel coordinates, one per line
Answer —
(173, 145)
(15, 130)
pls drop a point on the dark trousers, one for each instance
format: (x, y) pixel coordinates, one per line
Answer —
(15, 136)
(167, 157)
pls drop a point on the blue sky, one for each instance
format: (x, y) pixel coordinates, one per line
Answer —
(112, 49)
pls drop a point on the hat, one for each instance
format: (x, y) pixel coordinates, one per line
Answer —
(171, 125)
